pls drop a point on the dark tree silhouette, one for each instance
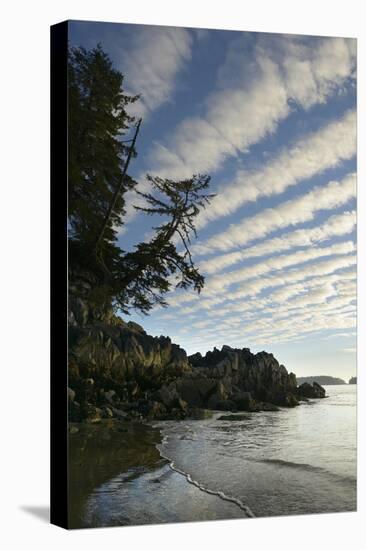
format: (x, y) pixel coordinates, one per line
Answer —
(146, 274)
(99, 155)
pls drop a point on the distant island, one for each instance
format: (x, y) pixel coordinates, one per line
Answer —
(322, 380)
(353, 380)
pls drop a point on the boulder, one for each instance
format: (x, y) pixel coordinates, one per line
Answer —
(135, 327)
(290, 400)
(233, 417)
(226, 405)
(167, 394)
(268, 407)
(319, 391)
(106, 412)
(313, 391)
(152, 377)
(110, 395)
(150, 409)
(93, 414)
(220, 394)
(244, 401)
(119, 414)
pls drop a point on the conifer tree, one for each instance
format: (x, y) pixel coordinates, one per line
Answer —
(99, 153)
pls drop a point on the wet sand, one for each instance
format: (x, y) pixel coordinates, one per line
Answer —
(118, 477)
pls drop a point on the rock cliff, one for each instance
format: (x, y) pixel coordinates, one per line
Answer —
(117, 369)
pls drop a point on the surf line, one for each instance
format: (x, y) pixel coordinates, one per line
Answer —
(204, 489)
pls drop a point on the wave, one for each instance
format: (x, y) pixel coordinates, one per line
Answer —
(201, 487)
(305, 467)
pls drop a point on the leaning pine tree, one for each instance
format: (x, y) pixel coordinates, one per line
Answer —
(101, 273)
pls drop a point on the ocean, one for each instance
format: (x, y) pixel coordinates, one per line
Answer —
(294, 461)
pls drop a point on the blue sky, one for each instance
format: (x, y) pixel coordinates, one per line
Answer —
(272, 119)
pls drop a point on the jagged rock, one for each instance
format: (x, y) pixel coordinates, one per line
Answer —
(291, 400)
(312, 391)
(195, 359)
(117, 365)
(116, 353)
(167, 394)
(220, 394)
(136, 327)
(182, 404)
(227, 405)
(151, 409)
(196, 391)
(244, 401)
(319, 390)
(353, 380)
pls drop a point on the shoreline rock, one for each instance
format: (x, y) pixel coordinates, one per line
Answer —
(322, 380)
(117, 370)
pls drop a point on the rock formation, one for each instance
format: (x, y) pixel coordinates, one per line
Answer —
(323, 380)
(353, 380)
(117, 370)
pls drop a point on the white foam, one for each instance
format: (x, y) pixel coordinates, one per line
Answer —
(201, 487)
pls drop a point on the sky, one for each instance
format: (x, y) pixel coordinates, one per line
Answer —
(272, 119)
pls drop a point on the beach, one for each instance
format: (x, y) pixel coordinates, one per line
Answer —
(292, 461)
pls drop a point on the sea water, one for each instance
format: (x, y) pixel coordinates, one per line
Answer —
(294, 461)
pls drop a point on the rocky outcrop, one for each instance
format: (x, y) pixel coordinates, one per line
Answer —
(314, 390)
(353, 380)
(236, 379)
(323, 380)
(117, 370)
(121, 360)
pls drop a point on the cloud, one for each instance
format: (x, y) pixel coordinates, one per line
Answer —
(282, 295)
(314, 69)
(292, 326)
(234, 120)
(317, 152)
(222, 281)
(253, 281)
(152, 62)
(288, 213)
(316, 269)
(242, 115)
(247, 300)
(321, 150)
(335, 226)
(299, 288)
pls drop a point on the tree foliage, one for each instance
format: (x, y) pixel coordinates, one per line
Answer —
(98, 125)
(97, 121)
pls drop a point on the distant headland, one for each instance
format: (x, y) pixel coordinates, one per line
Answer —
(322, 380)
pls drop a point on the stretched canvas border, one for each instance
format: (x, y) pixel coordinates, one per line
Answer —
(59, 437)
